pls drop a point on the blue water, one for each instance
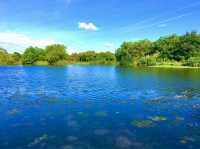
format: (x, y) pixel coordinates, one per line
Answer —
(99, 107)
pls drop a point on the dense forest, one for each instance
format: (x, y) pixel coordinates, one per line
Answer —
(174, 50)
(170, 50)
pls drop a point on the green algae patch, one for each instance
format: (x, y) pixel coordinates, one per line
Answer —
(158, 118)
(142, 123)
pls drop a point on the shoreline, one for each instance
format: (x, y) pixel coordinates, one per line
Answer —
(174, 67)
(95, 64)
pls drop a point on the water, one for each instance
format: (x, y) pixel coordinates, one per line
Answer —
(99, 107)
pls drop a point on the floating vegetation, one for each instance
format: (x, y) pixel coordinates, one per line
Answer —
(158, 118)
(186, 140)
(39, 141)
(142, 123)
(101, 132)
(158, 100)
(123, 142)
(185, 95)
(101, 114)
(180, 97)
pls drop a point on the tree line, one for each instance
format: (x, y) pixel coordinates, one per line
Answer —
(169, 50)
(54, 55)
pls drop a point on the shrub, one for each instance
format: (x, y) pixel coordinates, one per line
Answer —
(147, 61)
(193, 61)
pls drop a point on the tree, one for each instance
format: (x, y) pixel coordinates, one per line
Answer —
(55, 53)
(87, 56)
(132, 51)
(3, 57)
(190, 45)
(3, 50)
(31, 55)
(16, 57)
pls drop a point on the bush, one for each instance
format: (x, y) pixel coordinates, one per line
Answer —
(193, 61)
(147, 61)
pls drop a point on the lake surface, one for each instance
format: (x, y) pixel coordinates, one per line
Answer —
(99, 107)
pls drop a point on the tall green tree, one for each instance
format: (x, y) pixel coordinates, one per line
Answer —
(55, 53)
(31, 55)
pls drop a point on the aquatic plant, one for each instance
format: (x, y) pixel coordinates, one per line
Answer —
(39, 140)
(158, 118)
(158, 100)
(142, 123)
(186, 140)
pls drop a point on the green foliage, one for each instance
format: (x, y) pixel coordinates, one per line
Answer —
(193, 61)
(8, 59)
(131, 51)
(147, 61)
(172, 48)
(31, 55)
(16, 57)
(2, 50)
(91, 57)
(55, 53)
(3, 58)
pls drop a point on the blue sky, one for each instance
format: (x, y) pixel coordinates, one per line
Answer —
(99, 25)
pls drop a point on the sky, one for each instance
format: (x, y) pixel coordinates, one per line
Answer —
(101, 25)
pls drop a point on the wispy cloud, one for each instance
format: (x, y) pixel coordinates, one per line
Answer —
(159, 18)
(87, 26)
(161, 23)
(16, 40)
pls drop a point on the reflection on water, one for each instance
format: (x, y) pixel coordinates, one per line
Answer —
(99, 107)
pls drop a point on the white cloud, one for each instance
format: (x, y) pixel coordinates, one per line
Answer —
(16, 40)
(88, 26)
